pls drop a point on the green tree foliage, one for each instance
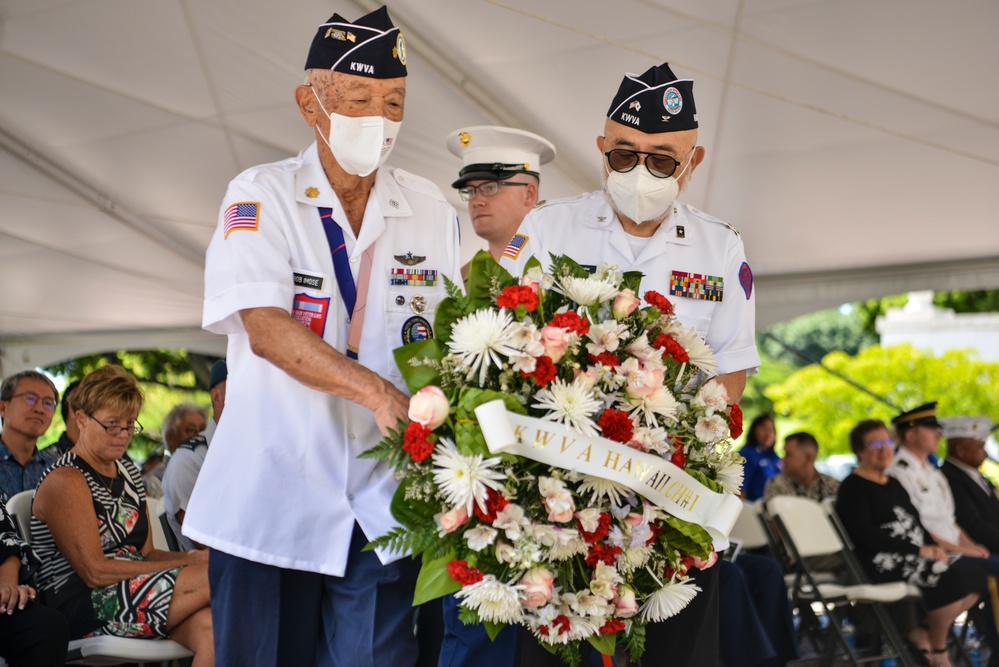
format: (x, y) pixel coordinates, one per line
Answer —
(817, 334)
(901, 374)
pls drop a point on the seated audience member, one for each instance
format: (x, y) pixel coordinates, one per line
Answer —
(755, 613)
(762, 461)
(800, 478)
(91, 529)
(892, 544)
(69, 436)
(184, 421)
(31, 635)
(976, 505)
(27, 404)
(185, 464)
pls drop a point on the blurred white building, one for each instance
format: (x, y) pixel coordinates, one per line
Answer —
(928, 327)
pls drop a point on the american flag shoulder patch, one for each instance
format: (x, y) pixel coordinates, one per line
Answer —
(241, 215)
(696, 286)
(515, 245)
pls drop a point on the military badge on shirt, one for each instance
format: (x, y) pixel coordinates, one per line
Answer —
(746, 279)
(311, 311)
(696, 286)
(244, 215)
(416, 328)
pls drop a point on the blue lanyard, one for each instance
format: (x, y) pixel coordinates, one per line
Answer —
(341, 263)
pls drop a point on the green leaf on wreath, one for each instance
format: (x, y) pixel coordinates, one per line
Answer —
(484, 276)
(634, 641)
(412, 515)
(632, 280)
(449, 311)
(532, 263)
(468, 616)
(686, 536)
(705, 480)
(422, 375)
(468, 436)
(563, 265)
(434, 581)
(603, 643)
(493, 629)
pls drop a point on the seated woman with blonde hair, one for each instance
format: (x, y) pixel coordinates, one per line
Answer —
(91, 529)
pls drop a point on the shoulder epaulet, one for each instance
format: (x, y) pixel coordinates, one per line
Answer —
(541, 203)
(193, 442)
(902, 463)
(418, 184)
(710, 218)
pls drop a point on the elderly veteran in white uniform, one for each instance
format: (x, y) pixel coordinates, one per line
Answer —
(649, 151)
(302, 246)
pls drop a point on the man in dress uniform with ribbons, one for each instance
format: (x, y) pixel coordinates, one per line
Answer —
(307, 253)
(649, 151)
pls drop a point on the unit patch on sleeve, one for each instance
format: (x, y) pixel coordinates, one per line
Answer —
(243, 215)
(515, 245)
(696, 286)
(746, 279)
(414, 277)
(311, 311)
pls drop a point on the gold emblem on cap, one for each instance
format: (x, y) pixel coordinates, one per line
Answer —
(399, 50)
(311, 193)
(336, 33)
(665, 119)
(418, 304)
(464, 138)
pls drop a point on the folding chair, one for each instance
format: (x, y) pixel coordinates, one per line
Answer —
(807, 532)
(19, 506)
(748, 529)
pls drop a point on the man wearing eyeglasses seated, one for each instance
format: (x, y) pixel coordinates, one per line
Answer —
(499, 179)
(27, 404)
(649, 152)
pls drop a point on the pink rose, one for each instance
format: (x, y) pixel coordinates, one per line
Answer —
(646, 382)
(529, 281)
(625, 304)
(538, 583)
(560, 507)
(705, 564)
(625, 604)
(555, 341)
(454, 519)
(429, 407)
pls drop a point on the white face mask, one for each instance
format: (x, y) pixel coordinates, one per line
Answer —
(639, 195)
(360, 144)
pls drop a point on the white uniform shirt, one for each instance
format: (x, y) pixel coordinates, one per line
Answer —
(928, 492)
(282, 484)
(688, 242)
(179, 480)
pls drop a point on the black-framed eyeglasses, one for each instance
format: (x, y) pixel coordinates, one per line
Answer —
(658, 164)
(32, 399)
(487, 189)
(113, 430)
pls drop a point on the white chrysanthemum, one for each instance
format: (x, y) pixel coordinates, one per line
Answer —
(730, 477)
(463, 479)
(483, 338)
(496, 601)
(668, 601)
(587, 291)
(660, 402)
(711, 429)
(633, 558)
(606, 337)
(700, 354)
(598, 487)
(569, 403)
(480, 537)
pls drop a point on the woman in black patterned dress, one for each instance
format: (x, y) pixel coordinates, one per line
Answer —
(892, 544)
(91, 529)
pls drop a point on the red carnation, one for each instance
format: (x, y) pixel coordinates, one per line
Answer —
(562, 624)
(544, 371)
(605, 553)
(659, 301)
(607, 359)
(463, 574)
(572, 321)
(672, 348)
(516, 295)
(612, 627)
(679, 459)
(616, 425)
(495, 502)
(657, 529)
(416, 441)
(735, 421)
(603, 527)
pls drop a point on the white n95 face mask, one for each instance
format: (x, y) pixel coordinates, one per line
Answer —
(360, 144)
(639, 195)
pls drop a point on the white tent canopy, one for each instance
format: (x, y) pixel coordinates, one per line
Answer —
(854, 144)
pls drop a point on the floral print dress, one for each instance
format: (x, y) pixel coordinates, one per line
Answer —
(135, 607)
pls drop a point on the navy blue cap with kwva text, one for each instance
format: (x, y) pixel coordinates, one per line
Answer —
(370, 46)
(655, 102)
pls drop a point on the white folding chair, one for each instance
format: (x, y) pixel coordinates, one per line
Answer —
(156, 509)
(19, 506)
(748, 529)
(807, 532)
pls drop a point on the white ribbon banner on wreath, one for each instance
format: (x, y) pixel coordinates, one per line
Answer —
(657, 480)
